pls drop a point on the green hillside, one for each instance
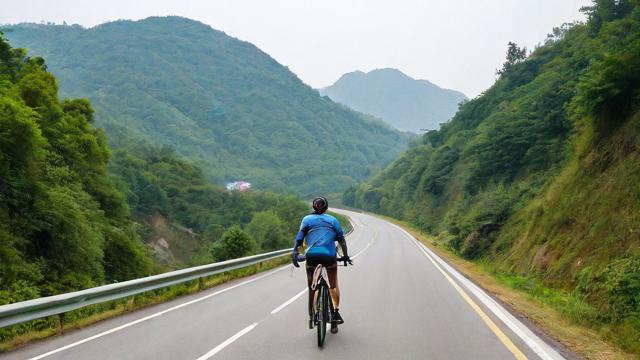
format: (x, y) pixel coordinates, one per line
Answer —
(63, 223)
(182, 215)
(539, 175)
(217, 100)
(405, 103)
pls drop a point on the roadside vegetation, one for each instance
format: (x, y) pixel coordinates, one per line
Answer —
(538, 176)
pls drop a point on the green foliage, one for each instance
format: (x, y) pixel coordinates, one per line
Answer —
(223, 103)
(343, 220)
(60, 213)
(235, 243)
(603, 11)
(515, 55)
(614, 288)
(271, 231)
(610, 89)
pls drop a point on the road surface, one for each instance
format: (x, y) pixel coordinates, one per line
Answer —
(399, 301)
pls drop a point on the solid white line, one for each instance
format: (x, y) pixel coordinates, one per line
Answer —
(154, 315)
(227, 342)
(536, 344)
(276, 310)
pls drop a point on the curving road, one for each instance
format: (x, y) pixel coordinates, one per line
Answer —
(399, 301)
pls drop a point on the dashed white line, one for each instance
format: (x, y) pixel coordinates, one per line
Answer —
(153, 315)
(227, 342)
(284, 304)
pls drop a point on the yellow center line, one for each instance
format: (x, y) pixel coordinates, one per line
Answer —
(487, 320)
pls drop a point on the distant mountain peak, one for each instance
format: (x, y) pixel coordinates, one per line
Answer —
(390, 94)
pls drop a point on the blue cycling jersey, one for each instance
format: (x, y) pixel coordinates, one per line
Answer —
(320, 232)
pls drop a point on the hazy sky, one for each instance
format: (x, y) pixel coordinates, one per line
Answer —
(456, 44)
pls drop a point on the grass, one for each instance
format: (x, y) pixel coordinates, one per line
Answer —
(19, 335)
(344, 222)
(562, 316)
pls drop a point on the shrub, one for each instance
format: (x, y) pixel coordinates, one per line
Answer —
(234, 243)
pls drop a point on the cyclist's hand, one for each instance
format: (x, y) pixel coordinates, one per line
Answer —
(347, 260)
(294, 258)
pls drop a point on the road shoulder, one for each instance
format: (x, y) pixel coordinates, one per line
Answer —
(570, 340)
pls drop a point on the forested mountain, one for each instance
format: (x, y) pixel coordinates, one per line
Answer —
(72, 215)
(219, 101)
(405, 103)
(540, 173)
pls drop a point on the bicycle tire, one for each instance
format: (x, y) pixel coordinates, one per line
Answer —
(322, 313)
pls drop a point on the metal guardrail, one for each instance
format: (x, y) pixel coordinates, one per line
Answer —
(58, 304)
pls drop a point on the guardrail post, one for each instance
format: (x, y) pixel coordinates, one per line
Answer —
(200, 284)
(61, 317)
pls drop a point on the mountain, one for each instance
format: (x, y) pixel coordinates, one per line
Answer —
(217, 100)
(539, 175)
(405, 103)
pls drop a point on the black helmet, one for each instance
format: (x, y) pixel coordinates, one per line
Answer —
(320, 205)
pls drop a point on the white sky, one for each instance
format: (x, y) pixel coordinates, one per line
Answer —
(456, 44)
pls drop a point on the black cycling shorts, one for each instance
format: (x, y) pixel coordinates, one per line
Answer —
(330, 263)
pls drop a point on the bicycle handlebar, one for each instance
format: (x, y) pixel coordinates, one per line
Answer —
(346, 260)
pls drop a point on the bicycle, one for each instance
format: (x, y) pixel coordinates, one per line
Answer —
(323, 304)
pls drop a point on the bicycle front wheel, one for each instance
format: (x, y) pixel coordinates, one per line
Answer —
(323, 313)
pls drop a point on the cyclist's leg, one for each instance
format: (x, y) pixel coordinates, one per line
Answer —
(334, 290)
(310, 267)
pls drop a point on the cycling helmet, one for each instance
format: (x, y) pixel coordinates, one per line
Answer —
(320, 205)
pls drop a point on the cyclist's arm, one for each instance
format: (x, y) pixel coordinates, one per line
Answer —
(301, 234)
(340, 237)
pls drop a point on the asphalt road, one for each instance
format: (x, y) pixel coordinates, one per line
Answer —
(399, 301)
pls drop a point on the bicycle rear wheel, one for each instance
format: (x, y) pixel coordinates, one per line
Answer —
(323, 313)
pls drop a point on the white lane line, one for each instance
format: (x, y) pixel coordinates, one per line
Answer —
(536, 344)
(284, 304)
(227, 342)
(124, 326)
(365, 248)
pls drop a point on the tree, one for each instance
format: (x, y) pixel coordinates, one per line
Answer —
(269, 230)
(234, 243)
(515, 55)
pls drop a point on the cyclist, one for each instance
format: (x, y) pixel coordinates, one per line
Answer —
(321, 231)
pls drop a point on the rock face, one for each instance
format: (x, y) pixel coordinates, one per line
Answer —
(405, 103)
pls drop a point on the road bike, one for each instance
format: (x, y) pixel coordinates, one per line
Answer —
(323, 304)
